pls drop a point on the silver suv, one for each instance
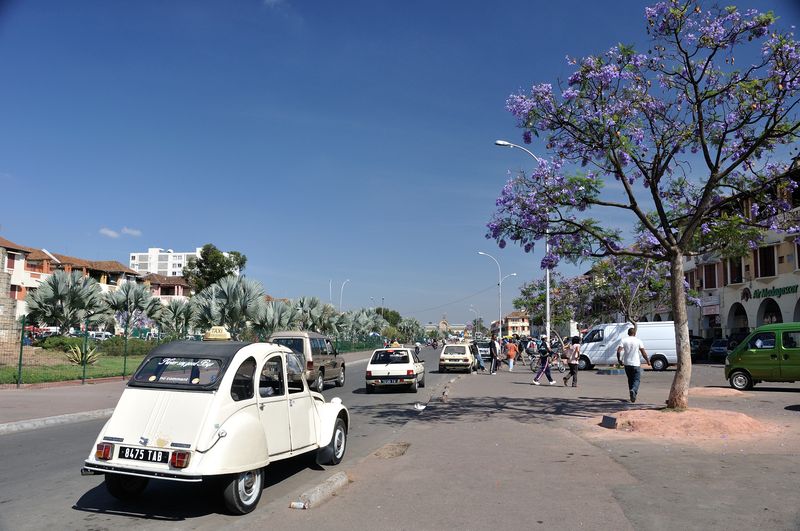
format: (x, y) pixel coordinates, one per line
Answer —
(323, 363)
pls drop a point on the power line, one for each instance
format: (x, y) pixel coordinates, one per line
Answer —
(454, 302)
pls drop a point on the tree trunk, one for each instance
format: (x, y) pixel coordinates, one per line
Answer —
(679, 392)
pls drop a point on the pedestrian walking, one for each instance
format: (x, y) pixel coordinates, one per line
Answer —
(630, 347)
(473, 347)
(544, 362)
(494, 352)
(573, 355)
(511, 354)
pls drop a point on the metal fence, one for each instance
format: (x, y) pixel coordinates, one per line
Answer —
(53, 360)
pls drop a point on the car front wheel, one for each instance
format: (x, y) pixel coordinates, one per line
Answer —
(124, 487)
(243, 491)
(741, 381)
(338, 443)
(584, 363)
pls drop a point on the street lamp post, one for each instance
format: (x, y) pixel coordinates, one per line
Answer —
(474, 331)
(499, 293)
(504, 143)
(501, 283)
(341, 292)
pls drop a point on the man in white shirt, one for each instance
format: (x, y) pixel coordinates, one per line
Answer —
(630, 348)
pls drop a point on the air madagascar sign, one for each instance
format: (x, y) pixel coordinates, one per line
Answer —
(774, 292)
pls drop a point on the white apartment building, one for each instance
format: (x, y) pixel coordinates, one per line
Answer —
(164, 262)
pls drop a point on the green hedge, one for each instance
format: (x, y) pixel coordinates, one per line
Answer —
(61, 343)
(115, 346)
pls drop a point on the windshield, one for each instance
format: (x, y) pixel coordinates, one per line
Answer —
(483, 344)
(390, 356)
(179, 371)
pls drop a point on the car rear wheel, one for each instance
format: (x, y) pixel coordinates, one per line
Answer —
(319, 383)
(658, 363)
(370, 389)
(741, 381)
(413, 387)
(340, 380)
(124, 487)
(422, 382)
(243, 491)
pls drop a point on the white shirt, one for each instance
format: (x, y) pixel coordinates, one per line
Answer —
(630, 350)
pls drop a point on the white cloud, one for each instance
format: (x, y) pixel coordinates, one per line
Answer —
(131, 232)
(109, 233)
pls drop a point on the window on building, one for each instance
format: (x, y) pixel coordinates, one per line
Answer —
(764, 259)
(735, 271)
(709, 276)
(144, 258)
(10, 261)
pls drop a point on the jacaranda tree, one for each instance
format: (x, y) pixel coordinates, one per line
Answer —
(690, 141)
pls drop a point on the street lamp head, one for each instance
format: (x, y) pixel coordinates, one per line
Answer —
(481, 252)
(503, 143)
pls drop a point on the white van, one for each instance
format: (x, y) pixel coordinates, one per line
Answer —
(599, 345)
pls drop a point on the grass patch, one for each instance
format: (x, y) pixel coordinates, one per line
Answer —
(105, 367)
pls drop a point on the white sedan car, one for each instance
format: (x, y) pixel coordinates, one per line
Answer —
(395, 367)
(199, 410)
(456, 358)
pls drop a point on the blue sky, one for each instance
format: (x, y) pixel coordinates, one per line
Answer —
(325, 140)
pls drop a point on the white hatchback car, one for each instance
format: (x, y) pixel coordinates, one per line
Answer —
(456, 358)
(395, 367)
(197, 410)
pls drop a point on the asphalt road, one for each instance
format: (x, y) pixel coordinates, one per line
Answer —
(40, 484)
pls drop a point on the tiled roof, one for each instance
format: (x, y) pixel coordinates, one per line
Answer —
(517, 315)
(8, 244)
(111, 266)
(162, 280)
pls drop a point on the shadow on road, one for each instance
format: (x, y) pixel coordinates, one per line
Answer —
(173, 502)
(524, 410)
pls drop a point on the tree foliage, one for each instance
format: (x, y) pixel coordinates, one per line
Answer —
(680, 140)
(392, 316)
(132, 304)
(66, 300)
(212, 266)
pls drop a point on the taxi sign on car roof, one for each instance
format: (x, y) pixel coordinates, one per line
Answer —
(217, 333)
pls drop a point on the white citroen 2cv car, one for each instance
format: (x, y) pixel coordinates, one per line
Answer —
(215, 409)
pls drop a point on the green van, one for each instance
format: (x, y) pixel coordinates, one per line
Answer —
(771, 353)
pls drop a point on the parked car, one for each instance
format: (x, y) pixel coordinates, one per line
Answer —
(771, 353)
(719, 350)
(323, 363)
(599, 345)
(394, 367)
(456, 358)
(100, 335)
(195, 411)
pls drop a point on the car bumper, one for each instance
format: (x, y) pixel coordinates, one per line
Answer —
(456, 365)
(388, 381)
(103, 468)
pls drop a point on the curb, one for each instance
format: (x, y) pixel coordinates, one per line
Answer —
(322, 492)
(35, 424)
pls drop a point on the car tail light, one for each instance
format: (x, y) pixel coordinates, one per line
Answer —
(105, 451)
(410, 372)
(180, 459)
(310, 365)
(369, 373)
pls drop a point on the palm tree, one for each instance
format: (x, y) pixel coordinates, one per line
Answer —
(310, 311)
(230, 302)
(272, 316)
(133, 304)
(176, 318)
(330, 320)
(409, 328)
(66, 300)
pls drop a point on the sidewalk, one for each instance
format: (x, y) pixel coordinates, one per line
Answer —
(33, 408)
(502, 454)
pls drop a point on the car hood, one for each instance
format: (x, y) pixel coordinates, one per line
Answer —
(162, 417)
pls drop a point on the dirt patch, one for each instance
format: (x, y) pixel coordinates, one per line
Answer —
(391, 450)
(715, 392)
(691, 425)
